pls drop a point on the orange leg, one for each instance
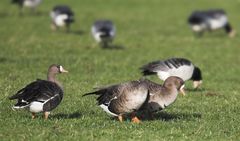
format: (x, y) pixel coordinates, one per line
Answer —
(120, 118)
(135, 118)
(46, 114)
(33, 115)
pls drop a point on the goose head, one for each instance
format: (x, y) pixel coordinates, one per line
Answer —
(197, 78)
(174, 83)
(53, 70)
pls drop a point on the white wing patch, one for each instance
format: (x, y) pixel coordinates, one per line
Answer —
(37, 106)
(31, 3)
(60, 19)
(218, 23)
(198, 27)
(185, 72)
(105, 108)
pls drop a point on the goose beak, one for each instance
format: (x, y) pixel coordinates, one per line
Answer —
(62, 70)
(232, 34)
(197, 84)
(182, 91)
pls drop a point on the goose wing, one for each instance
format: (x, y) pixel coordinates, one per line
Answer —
(173, 63)
(110, 93)
(122, 98)
(40, 90)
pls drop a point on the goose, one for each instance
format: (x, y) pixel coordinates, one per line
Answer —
(128, 97)
(27, 3)
(41, 95)
(61, 16)
(103, 32)
(210, 20)
(180, 67)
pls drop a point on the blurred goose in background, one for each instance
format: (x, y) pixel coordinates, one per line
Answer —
(210, 20)
(129, 97)
(41, 95)
(180, 67)
(103, 32)
(61, 16)
(27, 3)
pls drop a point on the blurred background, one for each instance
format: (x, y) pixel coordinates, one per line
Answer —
(146, 30)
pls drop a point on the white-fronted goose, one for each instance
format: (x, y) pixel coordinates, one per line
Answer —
(180, 67)
(61, 16)
(103, 32)
(27, 3)
(129, 97)
(41, 95)
(210, 20)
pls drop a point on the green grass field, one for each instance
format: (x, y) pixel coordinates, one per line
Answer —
(148, 30)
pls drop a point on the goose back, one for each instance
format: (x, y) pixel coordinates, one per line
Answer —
(122, 98)
(208, 20)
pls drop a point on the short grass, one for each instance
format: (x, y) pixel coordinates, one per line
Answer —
(148, 30)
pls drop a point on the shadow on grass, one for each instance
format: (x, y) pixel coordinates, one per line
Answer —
(3, 59)
(4, 15)
(196, 90)
(77, 32)
(29, 13)
(164, 116)
(69, 32)
(73, 115)
(6, 60)
(113, 47)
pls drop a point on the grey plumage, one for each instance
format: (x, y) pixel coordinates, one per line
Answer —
(103, 31)
(142, 94)
(180, 67)
(27, 3)
(62, 15)
(164, 65)
(209, 20)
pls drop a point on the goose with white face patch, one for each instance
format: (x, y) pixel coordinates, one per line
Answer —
(103, 32)
(27, 3)
(62, 16)
(210, 20)
(130, 97)
(180, 67)
(41, 95)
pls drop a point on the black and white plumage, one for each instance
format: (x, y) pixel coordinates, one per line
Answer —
(41, 95)
(180, 67)
(129, 97)
(210, 20)
(103, 31)
(27, 3)
(61, 16)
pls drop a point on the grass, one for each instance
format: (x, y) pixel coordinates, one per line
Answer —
(148, 30)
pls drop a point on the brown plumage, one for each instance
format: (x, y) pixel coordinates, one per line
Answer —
(132, 96)
(41, 95)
